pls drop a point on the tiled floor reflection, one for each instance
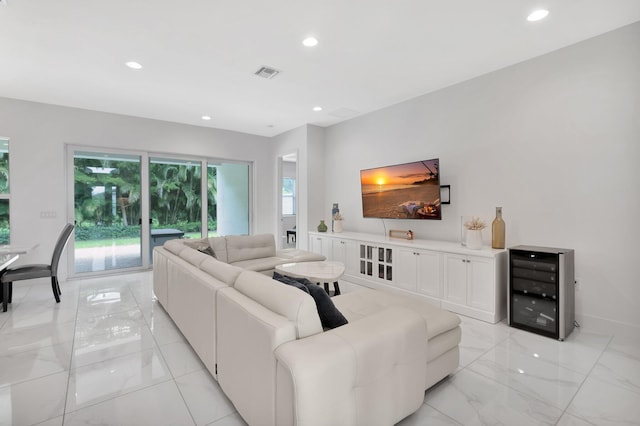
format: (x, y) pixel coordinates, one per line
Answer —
(108, 354)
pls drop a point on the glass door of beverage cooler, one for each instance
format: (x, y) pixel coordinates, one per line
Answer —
(533, 292)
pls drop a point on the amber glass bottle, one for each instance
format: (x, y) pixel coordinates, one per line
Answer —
(497, 230)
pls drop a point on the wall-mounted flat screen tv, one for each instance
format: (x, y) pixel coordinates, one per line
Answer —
(402, 191)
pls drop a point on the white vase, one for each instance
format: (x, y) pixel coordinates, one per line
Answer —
(474, 239)
(337, 226)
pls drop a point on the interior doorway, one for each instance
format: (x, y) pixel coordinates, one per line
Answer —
(288, 200)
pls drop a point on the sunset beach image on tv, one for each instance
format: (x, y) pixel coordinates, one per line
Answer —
(402, 191)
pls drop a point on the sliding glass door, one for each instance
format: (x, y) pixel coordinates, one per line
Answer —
(107, 211)
(126, 204)
(175, 200)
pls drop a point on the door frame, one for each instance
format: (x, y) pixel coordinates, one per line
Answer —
(280, 175)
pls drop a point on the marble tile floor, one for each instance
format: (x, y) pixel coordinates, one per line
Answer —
(108, 354)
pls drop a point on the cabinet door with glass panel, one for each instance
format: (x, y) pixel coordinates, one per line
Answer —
(376, 262)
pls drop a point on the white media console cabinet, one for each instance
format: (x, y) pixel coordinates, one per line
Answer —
(450, 276)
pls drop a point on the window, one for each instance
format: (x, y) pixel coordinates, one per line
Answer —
(4, 191)
(288, 196)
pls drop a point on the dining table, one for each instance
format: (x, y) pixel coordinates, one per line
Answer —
(8, 255)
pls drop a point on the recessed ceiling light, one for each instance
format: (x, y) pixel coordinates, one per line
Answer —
(206, 117)
(537, 15)
(133, 65)
(310, 41)
(317, 108)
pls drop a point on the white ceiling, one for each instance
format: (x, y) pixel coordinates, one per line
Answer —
(199, 56)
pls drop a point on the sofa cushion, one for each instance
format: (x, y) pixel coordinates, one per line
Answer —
(219, 247)
(194, 257)
(330, 316)
(175, 246)
(245, 247)
(284, 300)
(220, 270)
(260, 264)
(364, 302)
(443, 330)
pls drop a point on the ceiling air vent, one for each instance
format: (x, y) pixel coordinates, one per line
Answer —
(267, 72)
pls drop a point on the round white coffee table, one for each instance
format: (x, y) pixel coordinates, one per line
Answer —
(318, 272)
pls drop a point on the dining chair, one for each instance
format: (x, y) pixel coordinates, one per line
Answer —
(27, 272)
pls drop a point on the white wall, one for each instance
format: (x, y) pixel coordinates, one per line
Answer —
(38, 134)
(308, 142)
(555, 141)
(316, 175)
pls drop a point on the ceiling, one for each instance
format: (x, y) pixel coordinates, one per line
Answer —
(199, 56)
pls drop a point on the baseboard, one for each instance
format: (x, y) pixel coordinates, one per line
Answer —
(595, 324)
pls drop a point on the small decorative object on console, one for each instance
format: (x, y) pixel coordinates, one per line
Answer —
(497, 230)
(322, 227)
(337, 222)
(334, 211)
(474, 228)
(401, 233)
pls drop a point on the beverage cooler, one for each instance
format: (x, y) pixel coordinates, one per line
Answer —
(541, 295)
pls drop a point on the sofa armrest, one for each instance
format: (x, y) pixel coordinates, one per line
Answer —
(369, 372)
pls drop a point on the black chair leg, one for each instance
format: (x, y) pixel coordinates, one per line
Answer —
(5, 296)
(10, 292)
(54, 287)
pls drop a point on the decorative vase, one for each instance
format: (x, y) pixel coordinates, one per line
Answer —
(498, 230)
(322, 227)
(337, 226)
(474, 239)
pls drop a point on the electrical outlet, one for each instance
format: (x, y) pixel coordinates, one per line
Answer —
(48, 214)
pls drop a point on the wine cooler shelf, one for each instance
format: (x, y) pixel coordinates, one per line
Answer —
(541, 290)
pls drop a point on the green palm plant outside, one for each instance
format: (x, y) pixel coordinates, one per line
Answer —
(175, 194)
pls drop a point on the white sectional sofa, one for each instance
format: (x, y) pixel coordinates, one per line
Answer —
(263, 341)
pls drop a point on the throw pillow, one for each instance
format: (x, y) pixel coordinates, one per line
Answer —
(289, 281)
(330, 316)
(207, 250)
